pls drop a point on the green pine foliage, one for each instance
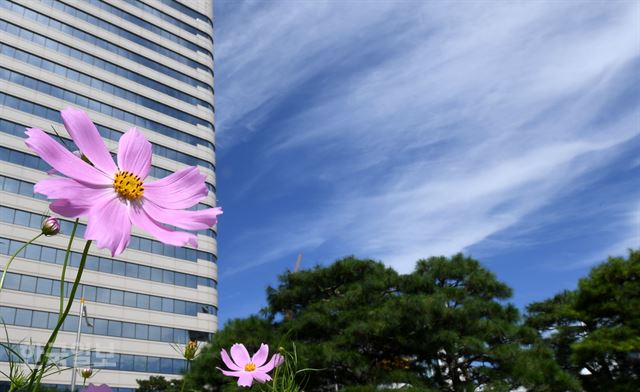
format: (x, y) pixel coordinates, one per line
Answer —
(594, 330)
(361, 326)
(358, 326)
(159, 384)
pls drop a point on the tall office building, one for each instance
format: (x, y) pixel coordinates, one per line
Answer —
(142, 63)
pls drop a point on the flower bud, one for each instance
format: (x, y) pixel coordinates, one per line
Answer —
(86, 372)
(50, 226)
(190, 350)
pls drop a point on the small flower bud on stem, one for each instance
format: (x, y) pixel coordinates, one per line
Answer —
(50, 226)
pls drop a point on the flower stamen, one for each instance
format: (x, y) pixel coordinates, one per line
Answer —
(128, 185)
(250, 367)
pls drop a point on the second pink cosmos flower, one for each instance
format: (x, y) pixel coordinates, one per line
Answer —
(248, 368)
(115, 197)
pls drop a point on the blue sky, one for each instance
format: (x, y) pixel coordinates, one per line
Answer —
(399, 130)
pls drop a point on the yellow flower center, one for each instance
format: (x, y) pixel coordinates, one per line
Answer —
(250, 367)
(128, 185)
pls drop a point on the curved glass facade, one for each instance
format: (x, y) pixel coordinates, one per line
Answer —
(88, 102)
(33, 162)
(186, 10)
(45, 286)
(167, 18)
(101, 84)
(13, 128)
(119, 329)
(59, 47)
(27, 159)
(147, 25)
(101, 43)
(60, 53)
(34, 220)
(135, 38)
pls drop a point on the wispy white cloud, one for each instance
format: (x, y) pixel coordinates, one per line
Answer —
(430, 126)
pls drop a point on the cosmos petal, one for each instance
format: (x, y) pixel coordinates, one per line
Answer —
(63, 160)
(227, 361)
(74, 199)
(109, 224)
(260, 357)
(176, 238)
(93, 388)
(69, 208)
(245, 379)
(188, 220)
(182, 189)
(240, 354)
(229, 373)
(134, 153)
(275, 361)
(86, 136)
(67, 188)
(260, 376)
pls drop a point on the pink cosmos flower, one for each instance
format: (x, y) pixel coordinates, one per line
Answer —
(93, 388)
(115, 197)
(248, 368)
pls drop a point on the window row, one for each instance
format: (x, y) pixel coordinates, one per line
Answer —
(99, 84)
(29, 219)
(81, 100)
(104, 44)
(63, 357)
(25, 188)
(148, 26)
(100, 63)
(54, 115)
(52, 255)
(176, 5)
(120, 329)
(46, 286)
(34, 162)
(167, 18)
(16, 129)
(119, 31)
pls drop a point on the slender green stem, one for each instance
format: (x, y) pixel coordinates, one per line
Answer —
(64, 267)
(6, 267)
(184, 378)
(47, 348)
